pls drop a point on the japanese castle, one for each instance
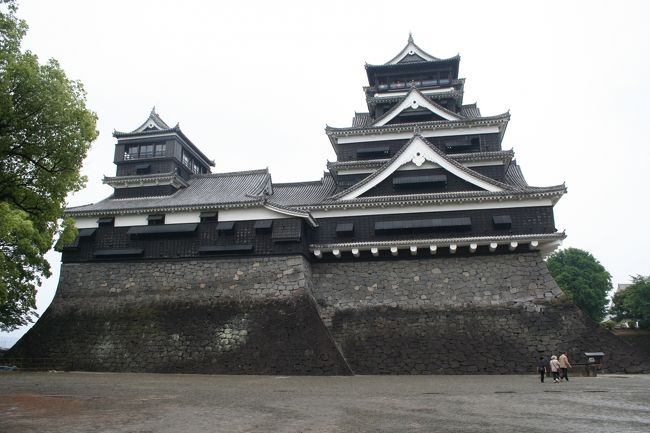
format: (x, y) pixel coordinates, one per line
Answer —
(418, 174)
(420, 251)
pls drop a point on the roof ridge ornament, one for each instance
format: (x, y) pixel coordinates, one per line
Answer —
(411, 49)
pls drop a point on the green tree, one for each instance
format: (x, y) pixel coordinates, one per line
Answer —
(633, 302)
(584, 280)
(45, 133)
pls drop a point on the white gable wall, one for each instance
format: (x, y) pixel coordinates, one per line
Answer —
(417, 153)
(415, 100)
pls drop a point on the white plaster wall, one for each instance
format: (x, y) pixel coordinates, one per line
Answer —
(86, 222)
(131, 220)
(182, 217)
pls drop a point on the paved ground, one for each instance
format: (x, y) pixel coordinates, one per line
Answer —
(105, 402)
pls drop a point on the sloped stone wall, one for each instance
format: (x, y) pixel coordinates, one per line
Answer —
(488, 314)
(250, 316)
(457, 315)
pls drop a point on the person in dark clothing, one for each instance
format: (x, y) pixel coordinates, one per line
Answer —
(541, 368)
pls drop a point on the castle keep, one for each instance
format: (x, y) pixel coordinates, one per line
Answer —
(419, 251)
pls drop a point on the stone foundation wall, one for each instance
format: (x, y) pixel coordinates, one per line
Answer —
(282, 315)
(249, 316)
(457, 315)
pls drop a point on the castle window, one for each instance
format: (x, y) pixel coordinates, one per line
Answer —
(155, 220)
(373, 153)
(160, 150)
(131, 152)
(226, 227)
(287, 230)
(501, 221)
(462, 145)
(86, 233)
(142, 168)
(146, 151)
(187, 161)
(208, 217)
(106, 221)
(263, 226)
(345, 229)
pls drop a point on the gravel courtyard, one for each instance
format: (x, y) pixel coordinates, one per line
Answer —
(113, 402)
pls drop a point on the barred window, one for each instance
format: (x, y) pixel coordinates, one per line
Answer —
(146, 151)
(160, 150)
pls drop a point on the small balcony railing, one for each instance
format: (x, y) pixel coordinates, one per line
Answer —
(408, 84)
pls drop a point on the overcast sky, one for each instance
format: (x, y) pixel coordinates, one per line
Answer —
(253, 84)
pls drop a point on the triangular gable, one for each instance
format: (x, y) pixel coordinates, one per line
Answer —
(411, 50)
(414, 100)
(417, 151)
(153, 122)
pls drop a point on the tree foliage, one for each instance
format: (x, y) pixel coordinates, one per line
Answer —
(584, 280)
(45, 133)
(633, 302)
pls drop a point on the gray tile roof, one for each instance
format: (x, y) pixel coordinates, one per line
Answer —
(160, 127)
(203, 192)
(251, 188)
(155, 119)
(361, 119)
(470, 111)
(302, 193)
(499, 119)
(432, 97)
(387, 65)
(552, 192)
(515, 177)
(505, 155)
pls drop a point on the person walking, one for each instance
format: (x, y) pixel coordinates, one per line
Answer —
(565, 365)
(541, 368)
(555, 369)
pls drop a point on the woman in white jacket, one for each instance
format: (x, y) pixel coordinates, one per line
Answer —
(555, 368)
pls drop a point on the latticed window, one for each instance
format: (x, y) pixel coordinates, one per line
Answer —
(146, 151)
(160, 150)
(187, 161)
(131, 152)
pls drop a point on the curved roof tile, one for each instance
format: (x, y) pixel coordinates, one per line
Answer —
(303, 193)
(203, 191)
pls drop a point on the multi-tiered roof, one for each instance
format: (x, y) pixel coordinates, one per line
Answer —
(418, 173)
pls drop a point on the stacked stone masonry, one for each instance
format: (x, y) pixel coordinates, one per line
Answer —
(285, 315)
